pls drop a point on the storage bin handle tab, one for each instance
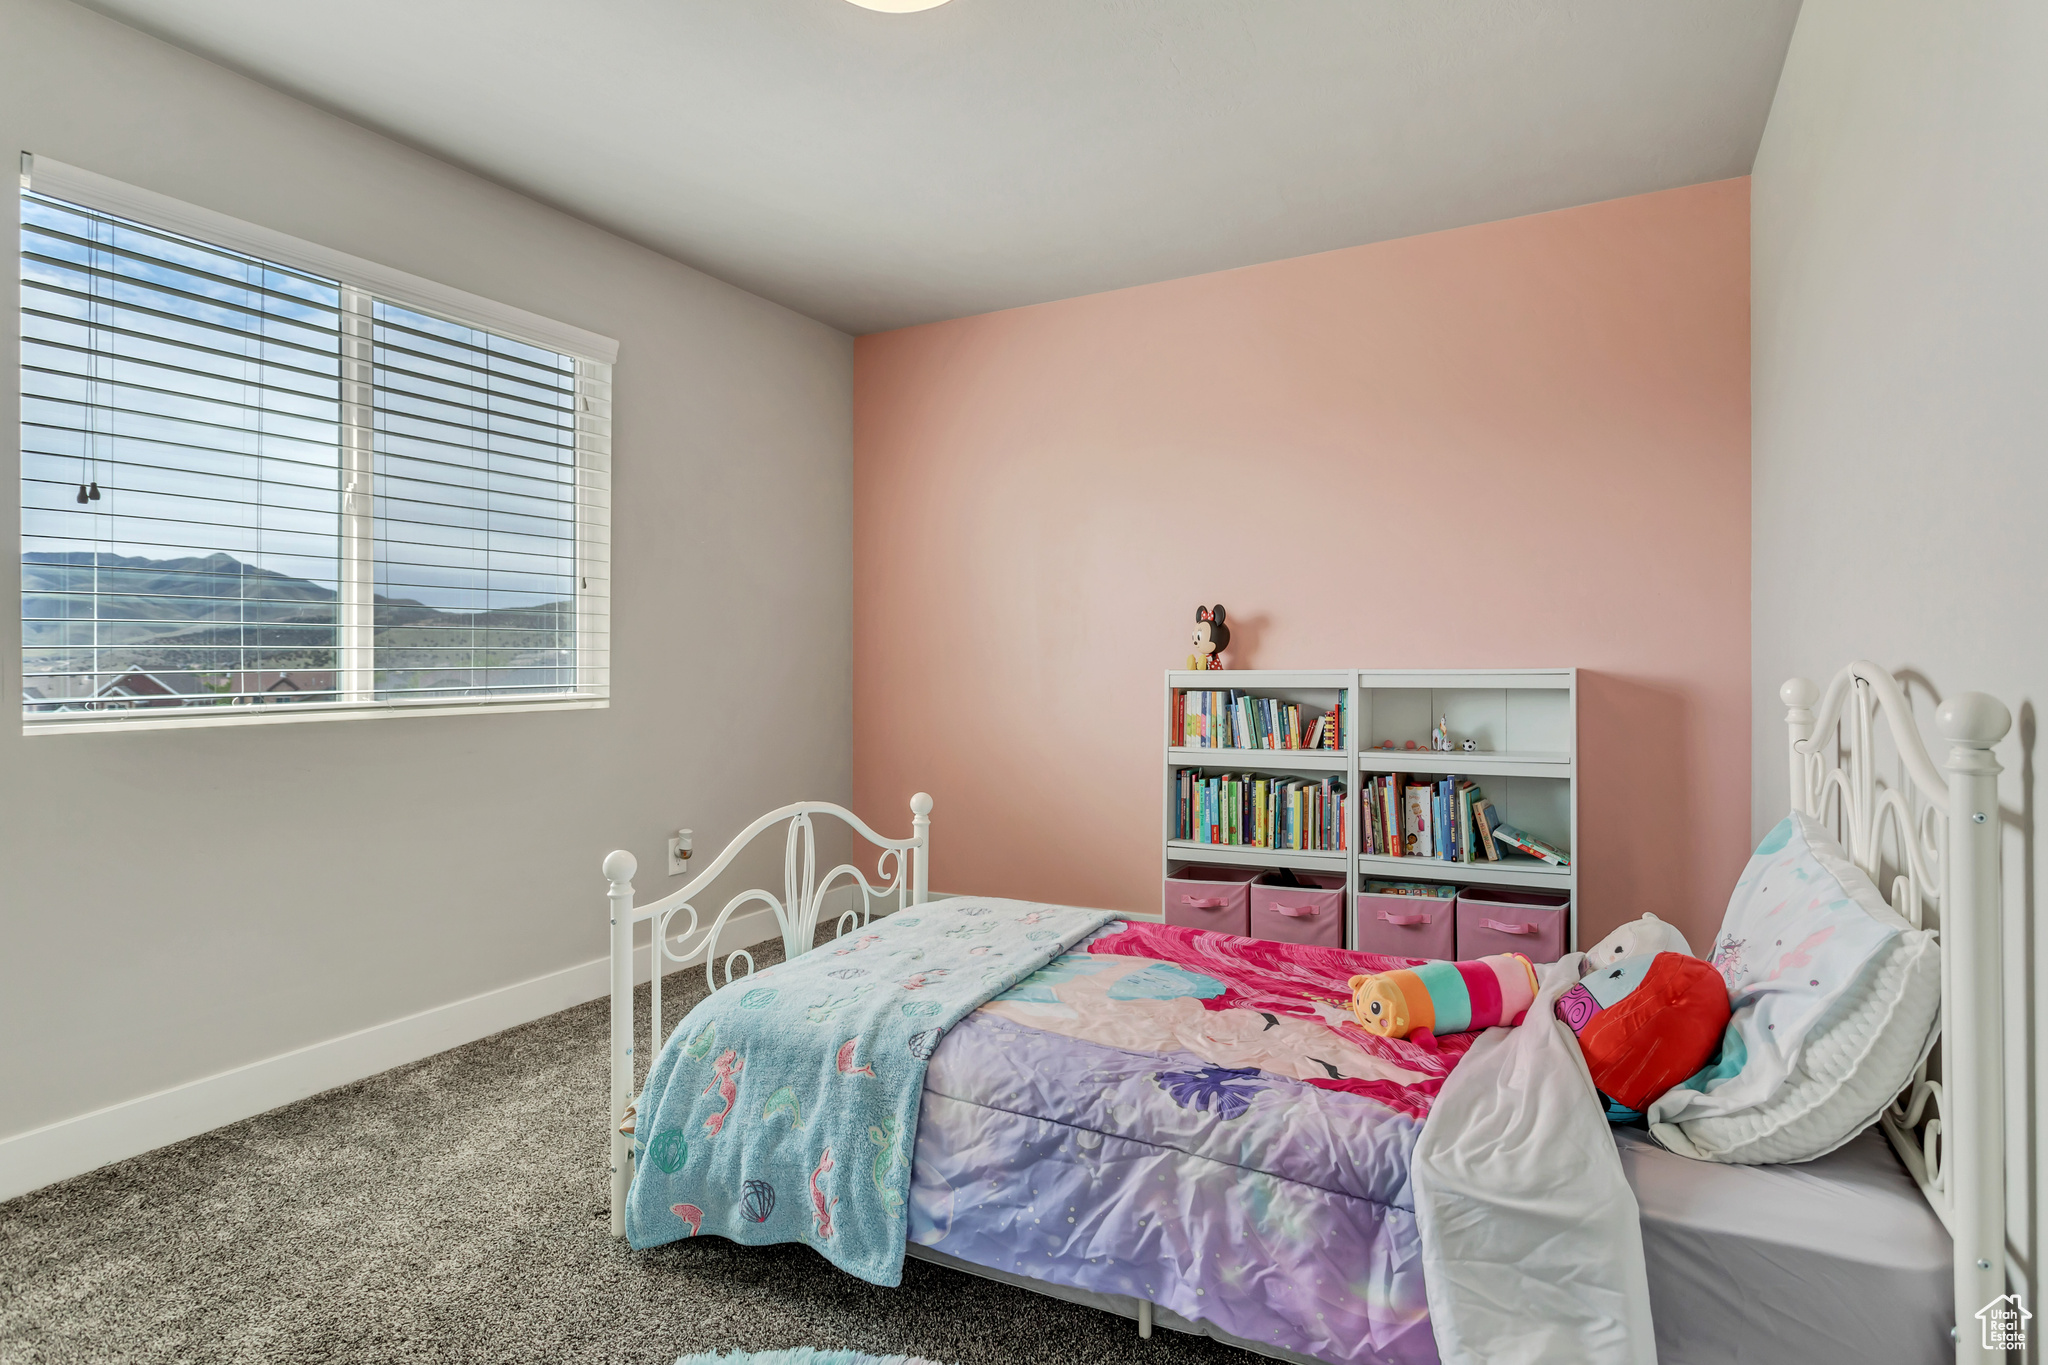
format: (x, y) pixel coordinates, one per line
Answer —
(1204, 902)
(1507, 928)
(1392, 918)
(1296, 911)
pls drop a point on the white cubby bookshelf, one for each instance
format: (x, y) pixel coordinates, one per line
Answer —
(1524, 721)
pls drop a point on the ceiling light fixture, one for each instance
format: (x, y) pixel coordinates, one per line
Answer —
(899, 6)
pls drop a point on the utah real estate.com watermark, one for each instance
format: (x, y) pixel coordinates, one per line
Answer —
(2005, 1323)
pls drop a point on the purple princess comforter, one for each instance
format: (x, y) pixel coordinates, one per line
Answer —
(1194, 1119)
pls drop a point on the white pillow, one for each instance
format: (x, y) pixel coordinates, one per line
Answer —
(1835, 1002)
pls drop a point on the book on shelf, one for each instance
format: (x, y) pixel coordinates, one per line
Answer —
(1261, 810)
(1468, 850)
(1426, 890)
(1232, 719)
(1373, 832)
(1449, 819)
(1445, 806)
(1484, 819)
(1415, 831)
(1531, 845)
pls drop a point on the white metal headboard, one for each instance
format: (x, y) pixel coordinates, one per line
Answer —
(903, 867)
(1942, 856)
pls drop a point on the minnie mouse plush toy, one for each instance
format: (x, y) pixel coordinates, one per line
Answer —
(1212, 637)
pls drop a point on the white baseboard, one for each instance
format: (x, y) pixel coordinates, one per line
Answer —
(73, 1146)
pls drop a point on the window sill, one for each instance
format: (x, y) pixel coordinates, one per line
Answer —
(299, 713)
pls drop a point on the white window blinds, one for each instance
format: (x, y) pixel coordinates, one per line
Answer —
(246, 483)
(181, 427)
(475, 494)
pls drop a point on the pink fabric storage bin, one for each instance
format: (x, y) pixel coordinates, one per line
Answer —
(1406, 919)
(1311, 910)
(1532, 923)
(1217, 898)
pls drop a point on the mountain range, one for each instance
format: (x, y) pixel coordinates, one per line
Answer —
(191, 588)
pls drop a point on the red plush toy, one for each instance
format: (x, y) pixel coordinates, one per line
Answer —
(1645, 1024)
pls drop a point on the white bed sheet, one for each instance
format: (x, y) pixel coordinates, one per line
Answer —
(1834, 1260)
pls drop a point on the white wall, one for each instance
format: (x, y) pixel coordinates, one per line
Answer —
(175, 904)
(1900, 390)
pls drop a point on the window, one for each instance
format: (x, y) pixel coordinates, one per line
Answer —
(258, 474)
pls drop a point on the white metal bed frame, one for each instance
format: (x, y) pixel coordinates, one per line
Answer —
(1934, 838)
(1941, 858)
(903, 867)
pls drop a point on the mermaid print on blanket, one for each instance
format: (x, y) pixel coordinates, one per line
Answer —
(784, 1107)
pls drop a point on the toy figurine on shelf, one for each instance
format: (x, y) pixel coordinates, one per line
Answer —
(1212, 637)
(1470, 746)
(1440, 738)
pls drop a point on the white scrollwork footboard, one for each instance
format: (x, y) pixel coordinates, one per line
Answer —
(902, 870)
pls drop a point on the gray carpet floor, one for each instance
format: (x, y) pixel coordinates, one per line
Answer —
(454, 1210)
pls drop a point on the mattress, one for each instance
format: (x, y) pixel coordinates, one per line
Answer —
(1838, 1261)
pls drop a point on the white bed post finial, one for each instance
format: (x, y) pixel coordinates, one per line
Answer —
(619, 867)
(1973, 1061)
(1799, 695)
(921, 831)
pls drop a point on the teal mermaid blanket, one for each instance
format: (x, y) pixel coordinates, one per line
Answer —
(784, 1107)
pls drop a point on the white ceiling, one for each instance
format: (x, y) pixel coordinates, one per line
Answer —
(874, 170)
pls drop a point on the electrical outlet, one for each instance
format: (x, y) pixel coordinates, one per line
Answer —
(679, 849)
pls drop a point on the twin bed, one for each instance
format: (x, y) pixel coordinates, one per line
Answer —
(1189, 1129)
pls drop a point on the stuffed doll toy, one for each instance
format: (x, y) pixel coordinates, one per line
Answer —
(1645, 937)
(1445, 997)
(1644, 1024)
(1212, 637)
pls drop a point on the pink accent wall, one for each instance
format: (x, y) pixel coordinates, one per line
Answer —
(1519, 444)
